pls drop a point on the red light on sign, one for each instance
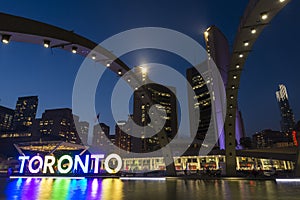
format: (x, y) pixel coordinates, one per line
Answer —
(295, 138)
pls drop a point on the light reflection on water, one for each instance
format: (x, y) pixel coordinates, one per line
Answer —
(115, 189)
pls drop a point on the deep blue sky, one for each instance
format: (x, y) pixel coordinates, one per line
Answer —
(28, 69)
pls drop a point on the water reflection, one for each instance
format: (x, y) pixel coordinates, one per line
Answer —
(45, 189)
(115, 189)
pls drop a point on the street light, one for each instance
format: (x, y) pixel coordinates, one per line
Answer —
(5, 39)
(246, 43)
(46, 43)
(264, 16)
(108, 63)
(74, 49)
(253, 31)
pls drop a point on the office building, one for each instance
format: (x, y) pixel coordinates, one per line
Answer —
(6, 119)
(287, 117)
(272, 139)
(25, 112)
(101, 137)
(59, 124)
(200, 100)
(164, 99)
(122, 136)
(82, 128)
(217, 47)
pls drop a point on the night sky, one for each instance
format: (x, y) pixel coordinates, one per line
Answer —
(28, 69)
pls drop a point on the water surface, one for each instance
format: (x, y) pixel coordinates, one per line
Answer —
(115, 189)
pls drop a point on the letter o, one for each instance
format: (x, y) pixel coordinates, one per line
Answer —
(59, 163)
(34, 171)
(108, 158)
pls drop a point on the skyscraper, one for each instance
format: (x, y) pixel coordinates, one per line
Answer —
(164, 99)
(25, 112)
(287, 117)
(200, 101)
(218, 50)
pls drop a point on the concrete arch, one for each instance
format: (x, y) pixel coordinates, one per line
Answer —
(20, 29)
(258, 15)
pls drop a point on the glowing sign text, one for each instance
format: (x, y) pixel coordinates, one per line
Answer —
(65, 164)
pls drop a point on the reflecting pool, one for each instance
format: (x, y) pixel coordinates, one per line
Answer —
(115, 189)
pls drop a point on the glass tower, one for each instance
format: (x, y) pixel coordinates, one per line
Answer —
(287, 117)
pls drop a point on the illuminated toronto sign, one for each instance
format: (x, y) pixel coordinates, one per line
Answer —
(66, 164)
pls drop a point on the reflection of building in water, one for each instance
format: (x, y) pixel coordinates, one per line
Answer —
(164, 99)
